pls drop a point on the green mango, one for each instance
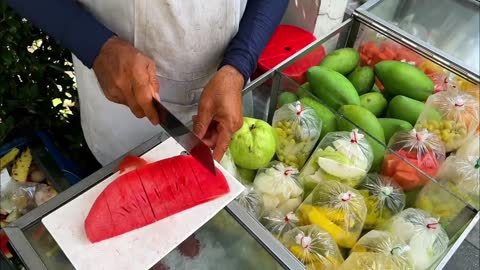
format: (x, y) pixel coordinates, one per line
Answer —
(369, 123)
(328, 117)
(343, 60)
(399, 78)
(391, 126)
(304, 89)
(362, 79)
(285, 98)
(408, 109)
(374, 102)
(331, 87)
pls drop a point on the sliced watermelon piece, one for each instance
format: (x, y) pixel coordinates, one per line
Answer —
(135, 189)
(408, 180)
(148, 180)
(204, 180)
(125, 212)
(99, 224)
(131, 162)
(150, 193)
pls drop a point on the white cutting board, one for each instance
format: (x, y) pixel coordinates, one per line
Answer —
(139, 249)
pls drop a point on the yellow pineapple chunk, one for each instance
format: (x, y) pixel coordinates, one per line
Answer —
(22, 165)
(8, 157)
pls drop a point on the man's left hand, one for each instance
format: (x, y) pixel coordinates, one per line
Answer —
(220, 110)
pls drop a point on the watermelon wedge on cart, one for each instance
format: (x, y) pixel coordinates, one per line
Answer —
(151, 192)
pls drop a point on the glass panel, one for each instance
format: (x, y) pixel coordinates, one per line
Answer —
(449, 25)
(222, 244)
(438, 200)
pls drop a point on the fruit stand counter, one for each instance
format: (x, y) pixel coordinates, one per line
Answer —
(378, 87)
(355, 165)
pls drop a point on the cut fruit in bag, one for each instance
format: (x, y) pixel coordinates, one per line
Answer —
(251, 200)
(390, 252)
(314, 247)
(459, 175)
(470, 147)
(423, 233)
(279, 223)
(338, 209)
(442, 82)
(279, 188)
(373, 261)
(383, 197)
(341, 156)
(452, 115)
(422, 148)
(297, 129)
(228, 164)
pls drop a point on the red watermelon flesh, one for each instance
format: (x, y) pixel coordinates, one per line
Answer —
(151, 193)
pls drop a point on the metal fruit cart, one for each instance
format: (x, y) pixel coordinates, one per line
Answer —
(38, 250)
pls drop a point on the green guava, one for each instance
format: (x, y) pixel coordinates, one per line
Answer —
(253, 145)
(246, 175)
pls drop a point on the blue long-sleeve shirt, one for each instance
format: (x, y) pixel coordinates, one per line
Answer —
(76, 29)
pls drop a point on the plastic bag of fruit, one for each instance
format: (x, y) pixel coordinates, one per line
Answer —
(279, 187)
(16, 199)
(279, 223)
(341, 156)
(452, 115)
(297, 128)
(460, 175)
(251, 200)
(228, 164)
(379, 250)
(373, 261)
(423, 233)
(470, 147)
(314, 247)
(383, 197)
(338, 209)
(422, 148)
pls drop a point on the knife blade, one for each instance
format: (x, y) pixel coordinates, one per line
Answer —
(186, 138)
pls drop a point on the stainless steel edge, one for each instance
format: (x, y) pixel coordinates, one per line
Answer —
(369, 4)
(458, 242)
(264, 237)
(24, 249)
(258, 81)
(62, 198)
(426, 50)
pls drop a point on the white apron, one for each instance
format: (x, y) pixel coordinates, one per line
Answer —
(185, 38)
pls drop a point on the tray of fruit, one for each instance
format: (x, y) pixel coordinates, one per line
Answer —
(387, 172)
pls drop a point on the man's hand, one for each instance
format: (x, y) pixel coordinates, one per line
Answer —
(128, 77)
(220, 110)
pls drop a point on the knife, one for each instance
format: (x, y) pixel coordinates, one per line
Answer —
(192, 144)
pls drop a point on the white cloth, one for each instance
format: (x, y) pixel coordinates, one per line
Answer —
(185, 38)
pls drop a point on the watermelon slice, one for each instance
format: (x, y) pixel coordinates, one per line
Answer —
(149, 193)
(131, 162)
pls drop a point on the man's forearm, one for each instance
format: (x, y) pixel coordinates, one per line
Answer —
(66, 21)
(258, 24)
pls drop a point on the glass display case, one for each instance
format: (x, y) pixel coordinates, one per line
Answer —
(236, 239)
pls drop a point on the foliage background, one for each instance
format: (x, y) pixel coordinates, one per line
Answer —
(38, 90)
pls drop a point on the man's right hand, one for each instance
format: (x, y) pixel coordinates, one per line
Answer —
(128, 77)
